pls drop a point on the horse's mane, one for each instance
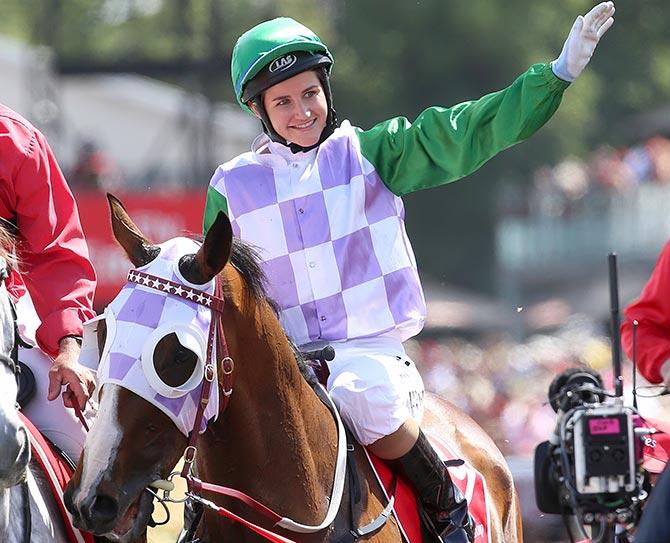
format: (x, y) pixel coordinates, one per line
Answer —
(246, 260)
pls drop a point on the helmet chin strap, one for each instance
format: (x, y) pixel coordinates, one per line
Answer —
(331, 120)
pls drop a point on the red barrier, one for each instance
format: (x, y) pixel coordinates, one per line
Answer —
(160, 216)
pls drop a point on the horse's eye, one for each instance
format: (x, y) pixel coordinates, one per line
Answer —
(173, 362)
(183, 355)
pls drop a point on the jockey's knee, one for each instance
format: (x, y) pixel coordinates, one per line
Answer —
(377, 395)
(369, 414)
(398, 443)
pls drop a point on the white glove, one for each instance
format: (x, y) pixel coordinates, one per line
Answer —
(582, 41)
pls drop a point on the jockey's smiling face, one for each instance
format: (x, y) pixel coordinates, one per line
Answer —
(297, 108)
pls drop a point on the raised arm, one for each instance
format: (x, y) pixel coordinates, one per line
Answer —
(446, 144)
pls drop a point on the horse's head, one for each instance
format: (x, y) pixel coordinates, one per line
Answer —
(13, 437)
(152, 349)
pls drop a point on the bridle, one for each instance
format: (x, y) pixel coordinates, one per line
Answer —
(216, 344)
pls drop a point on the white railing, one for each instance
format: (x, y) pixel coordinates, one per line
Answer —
(635, 224)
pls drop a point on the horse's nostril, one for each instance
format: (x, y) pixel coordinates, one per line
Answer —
(103, 508)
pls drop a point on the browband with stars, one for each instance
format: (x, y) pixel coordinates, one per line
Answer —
(165, 285)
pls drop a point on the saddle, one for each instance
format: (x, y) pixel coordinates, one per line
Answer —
(465, 477)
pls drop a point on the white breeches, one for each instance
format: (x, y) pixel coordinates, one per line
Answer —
(375, 386)
(53, 419)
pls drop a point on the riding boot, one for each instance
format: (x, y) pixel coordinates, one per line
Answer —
(444, 509)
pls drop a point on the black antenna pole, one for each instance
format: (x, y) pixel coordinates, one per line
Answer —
(615, 323)
(635, 325)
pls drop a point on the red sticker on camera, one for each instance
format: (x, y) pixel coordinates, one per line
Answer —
(604, 426)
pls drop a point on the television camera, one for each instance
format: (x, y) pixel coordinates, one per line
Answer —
(590, 469)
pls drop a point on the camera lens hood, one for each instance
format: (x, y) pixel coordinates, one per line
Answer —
(573, 379)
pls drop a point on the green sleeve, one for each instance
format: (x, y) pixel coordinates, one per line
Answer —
(215, 202)
(445, 144)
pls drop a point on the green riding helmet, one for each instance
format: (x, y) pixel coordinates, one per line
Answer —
(284, 47)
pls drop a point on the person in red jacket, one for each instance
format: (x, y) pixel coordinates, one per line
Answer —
(54, 285)
(652, 333)
(649, 342)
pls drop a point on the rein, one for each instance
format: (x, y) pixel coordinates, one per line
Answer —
(27, 517)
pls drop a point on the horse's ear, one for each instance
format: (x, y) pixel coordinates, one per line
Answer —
(213, 255)
(139, 249)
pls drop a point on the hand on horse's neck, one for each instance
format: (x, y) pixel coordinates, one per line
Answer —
(276, 440)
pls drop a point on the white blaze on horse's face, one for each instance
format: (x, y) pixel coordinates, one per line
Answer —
(102, 444)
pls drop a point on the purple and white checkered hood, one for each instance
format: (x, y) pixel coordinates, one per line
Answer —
(138, 317)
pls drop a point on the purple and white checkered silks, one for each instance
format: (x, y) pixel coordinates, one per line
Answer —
(332, 239)
(138, 318)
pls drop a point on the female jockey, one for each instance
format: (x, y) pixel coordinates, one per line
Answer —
(322, 203)
(54, 291)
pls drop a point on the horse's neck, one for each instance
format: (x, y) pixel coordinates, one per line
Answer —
(279, 440)
(44, 513)
(5, 494)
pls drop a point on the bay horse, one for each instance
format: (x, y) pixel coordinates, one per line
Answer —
(273, 438)
(28, 510)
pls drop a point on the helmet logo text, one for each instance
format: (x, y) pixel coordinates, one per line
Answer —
(282, 63)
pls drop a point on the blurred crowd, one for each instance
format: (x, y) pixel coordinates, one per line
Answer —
(573, 183)
(556, 190)
(94, 170)
(503, 385)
